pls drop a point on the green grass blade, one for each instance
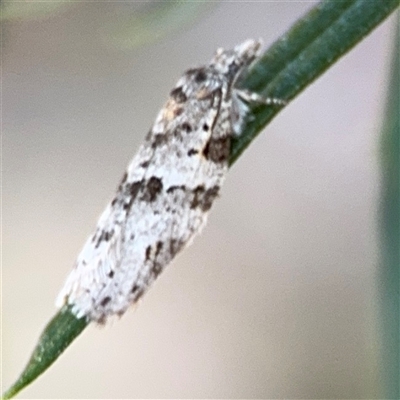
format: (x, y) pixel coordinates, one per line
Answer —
(389, 272)
(56, 337)
(307, 50)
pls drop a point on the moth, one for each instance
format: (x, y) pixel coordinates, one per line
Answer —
(167, 190)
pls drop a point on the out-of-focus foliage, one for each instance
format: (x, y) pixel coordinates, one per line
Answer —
(389, 273)
(17, 10)
(146, 23)
(124, 25)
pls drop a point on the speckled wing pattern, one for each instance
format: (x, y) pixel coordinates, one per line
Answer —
(166, 193)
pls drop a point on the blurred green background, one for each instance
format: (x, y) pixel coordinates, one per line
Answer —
(278, 298)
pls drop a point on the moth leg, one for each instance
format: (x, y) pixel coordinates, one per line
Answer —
(252, 97)
(241, 101)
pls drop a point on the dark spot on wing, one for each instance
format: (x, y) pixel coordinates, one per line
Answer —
(137, 292)
(145, 164)
(156, 269)
(209, 197)
(133, 190)
(148, 252)
(159, 140)
(108, 235)
(192, 152)
(135, 288)
(153, 189)
(187, 127)
(110, 274)
(174, 246)
(159, 247)
(204, 198)
(105, 236)
(200, 76)
(105, 301)
(173, 188)
(178, 111)
(197, 196)
(178, 95)
(206, 127)
(217, 150)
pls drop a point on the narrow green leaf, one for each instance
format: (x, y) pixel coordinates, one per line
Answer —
(293, 42)
(389, 271)
(56, 337)
(307, 50)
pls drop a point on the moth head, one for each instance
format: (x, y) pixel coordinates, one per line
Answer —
(232, 61)
(226, 65)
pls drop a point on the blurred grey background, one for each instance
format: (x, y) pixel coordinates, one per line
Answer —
(277, 298)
